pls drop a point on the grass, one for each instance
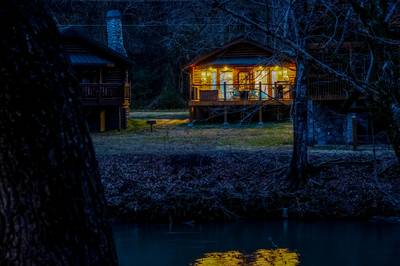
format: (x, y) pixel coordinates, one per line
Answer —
(160, 114)
(172, 132)
(177, 131)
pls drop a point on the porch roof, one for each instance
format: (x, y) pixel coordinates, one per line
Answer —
(243, 61)
(89, 59)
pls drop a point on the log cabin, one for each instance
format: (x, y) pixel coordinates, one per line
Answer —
(241, 75)
(247, 76)
(103, 74)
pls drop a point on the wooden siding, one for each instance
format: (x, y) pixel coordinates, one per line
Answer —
(113, 75)
(244, 50)
(197, 81)
(75, 47)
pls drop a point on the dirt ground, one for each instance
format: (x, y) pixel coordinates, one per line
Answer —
(208, 172)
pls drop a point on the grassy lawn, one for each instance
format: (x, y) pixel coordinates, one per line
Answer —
(172, 132)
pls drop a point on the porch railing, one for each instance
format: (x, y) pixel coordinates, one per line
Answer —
(110, 93)
(244, 92)
(319, 90)
(328, 90)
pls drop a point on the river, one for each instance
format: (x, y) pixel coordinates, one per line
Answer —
(322, 243)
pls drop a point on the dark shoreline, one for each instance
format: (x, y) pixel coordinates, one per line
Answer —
(221, 186)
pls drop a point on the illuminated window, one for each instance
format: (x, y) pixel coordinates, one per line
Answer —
(209, 79)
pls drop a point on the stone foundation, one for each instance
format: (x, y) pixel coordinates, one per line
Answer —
(327, 125)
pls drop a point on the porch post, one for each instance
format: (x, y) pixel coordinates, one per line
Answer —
(273, 90)
(225, 108)
(260, 111)
(102, 120)
(119, 118)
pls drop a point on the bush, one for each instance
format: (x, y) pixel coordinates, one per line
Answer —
(170, 99)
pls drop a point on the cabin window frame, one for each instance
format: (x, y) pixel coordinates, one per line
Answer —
(242, 86)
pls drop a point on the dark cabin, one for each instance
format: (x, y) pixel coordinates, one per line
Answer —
(241, 75)
(103, 74)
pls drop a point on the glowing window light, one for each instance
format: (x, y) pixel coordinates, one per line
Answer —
(285, 73)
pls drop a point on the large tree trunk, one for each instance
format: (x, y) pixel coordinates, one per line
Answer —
(299, 162)
(393, 128)
(51, 198)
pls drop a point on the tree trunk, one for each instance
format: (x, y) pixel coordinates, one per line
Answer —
(51, 198)
(299, 162)
(394, 127)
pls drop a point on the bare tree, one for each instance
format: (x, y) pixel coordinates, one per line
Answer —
(379, 23)
(51, 198)
(329, 25)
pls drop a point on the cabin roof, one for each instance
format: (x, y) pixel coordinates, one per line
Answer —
(100, 53)
(88, 60)
(240, 51)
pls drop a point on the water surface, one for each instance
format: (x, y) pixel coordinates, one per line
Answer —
(253, 243)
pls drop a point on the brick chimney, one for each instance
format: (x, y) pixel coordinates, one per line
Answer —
(114, 31)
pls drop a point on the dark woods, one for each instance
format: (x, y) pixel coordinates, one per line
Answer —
(161, 37)
(354, 43)
(49, 178)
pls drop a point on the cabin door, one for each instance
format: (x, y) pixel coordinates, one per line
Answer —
(226, 77)
(244, 80)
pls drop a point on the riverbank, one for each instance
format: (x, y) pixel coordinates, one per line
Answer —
(221, 185)
(210, 172)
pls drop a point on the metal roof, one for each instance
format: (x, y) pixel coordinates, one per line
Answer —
(244, 61)
(99, 48)
(88, 59)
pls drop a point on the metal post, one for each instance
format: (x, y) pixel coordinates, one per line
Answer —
(259, 91)
(191, 114)
(354, 131)
(226, 116)
(224, 91)
(260, 115)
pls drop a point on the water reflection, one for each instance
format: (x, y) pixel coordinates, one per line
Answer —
(262, 257)
(229, 258)
(344, 243)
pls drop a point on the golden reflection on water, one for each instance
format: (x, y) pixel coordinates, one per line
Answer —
(262, 257)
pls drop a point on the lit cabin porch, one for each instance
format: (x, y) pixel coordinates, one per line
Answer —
(242, 85)
(241, 73)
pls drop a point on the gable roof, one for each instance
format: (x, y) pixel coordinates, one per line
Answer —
(240, 51)
(102, 54)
